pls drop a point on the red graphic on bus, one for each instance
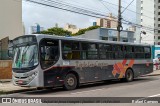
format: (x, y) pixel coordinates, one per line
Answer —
(120, 68)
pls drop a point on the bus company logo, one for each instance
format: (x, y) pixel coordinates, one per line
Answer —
(6, 100)
(120, 68)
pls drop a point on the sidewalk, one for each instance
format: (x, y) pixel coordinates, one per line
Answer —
(6, 86)
(155, 73)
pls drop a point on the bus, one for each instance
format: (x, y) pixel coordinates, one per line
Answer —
(52, 61)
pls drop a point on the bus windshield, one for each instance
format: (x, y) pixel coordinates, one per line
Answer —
(25, 56)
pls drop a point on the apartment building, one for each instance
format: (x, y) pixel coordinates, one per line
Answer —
(145, 14)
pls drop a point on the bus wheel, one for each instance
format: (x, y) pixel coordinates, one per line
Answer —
(40, 88)
(70, 82)
(129, 75)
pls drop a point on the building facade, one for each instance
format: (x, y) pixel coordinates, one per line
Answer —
(72, 28)
(35, 29)
(157, 21)
(11, 19)
(145, 17)
(109, 22)
(109, 34)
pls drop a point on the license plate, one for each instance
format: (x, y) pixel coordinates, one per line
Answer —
(20, 82)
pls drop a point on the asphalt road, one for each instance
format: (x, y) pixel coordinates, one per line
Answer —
(142, 87)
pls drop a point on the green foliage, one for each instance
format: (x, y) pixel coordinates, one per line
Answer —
(56, 31)
(62, 32)
(82, 31)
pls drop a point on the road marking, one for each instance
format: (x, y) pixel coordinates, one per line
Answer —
(87, 91)
(154, 95)
(148, 97)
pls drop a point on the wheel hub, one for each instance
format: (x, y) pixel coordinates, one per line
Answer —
(70, 81)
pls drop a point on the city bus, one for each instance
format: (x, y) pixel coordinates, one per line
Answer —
(51, 61)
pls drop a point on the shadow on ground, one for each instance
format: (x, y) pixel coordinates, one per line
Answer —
(102, 84)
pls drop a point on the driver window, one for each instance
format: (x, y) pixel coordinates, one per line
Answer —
(49, 53)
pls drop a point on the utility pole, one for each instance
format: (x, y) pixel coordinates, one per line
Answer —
(119, 27)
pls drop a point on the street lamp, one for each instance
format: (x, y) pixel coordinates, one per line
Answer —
(142, 32)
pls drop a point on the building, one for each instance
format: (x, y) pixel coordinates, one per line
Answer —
(109, 35)
(132, 28)
(35, 29)
(94, 23)
(109, 22)
(157, 21)
(72, 28)
(145, 17)
(10, 19)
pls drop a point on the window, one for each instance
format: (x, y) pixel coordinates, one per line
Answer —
(104, 38)
(118, 51)
(92, 51)
(138, 49)
(105, 51)
(128, 52)
(102, 51)
(70, 50)
(114, 39)
(125, 40)
(89, 51)
(139, 52)
(158, 37)
(158, 19)
(147, 51)
(49, 53)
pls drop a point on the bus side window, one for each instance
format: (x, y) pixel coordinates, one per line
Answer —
(92, 51)
(129, 52)
(118, 51)
(147, 51)
(75, 51)
(139, 52)
(102, 51)
(84, 47)
(66, 50)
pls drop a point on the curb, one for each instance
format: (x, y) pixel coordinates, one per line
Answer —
(153, 75)
(6, 80)
(150, 75)
(16, 91)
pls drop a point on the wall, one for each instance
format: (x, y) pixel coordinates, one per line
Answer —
(5, 69)
(10, 18)
(108, 33)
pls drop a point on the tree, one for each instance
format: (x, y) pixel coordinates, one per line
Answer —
(82, 31)
(56, 31)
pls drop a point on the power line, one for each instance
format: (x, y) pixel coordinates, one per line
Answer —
(68, 8)
(128, 9)
(80, 11)
(127, 6)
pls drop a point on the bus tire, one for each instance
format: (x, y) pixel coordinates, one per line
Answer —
(39, 88)
(129, 75)
(70, 82)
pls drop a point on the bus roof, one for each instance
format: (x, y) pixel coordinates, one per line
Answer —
(83, 39)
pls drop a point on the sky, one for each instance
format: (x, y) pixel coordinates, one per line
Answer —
(47, 17)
